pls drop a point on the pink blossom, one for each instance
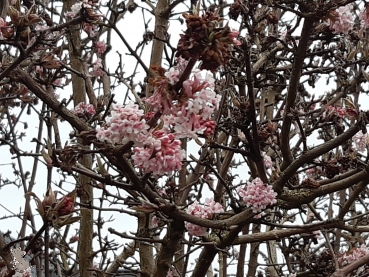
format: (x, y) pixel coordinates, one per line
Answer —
(341, 112)
(170, 273)
(4, 30)
(67, 206)
(205, 211)
(317, 234)
(100, 47)
(354, 255)
(73, 239)
(191, 116)
(233, 37)
(196, 230)
(89, 28)
(161, 153)
(310, 171)
(154, 222)
(267, 160)
(333, 111)
(84, 109)
(75, 9)
(126, 123)
(360, 141)
(341, 20)
(172, 75)
(57, 82)
(258, 195)
(97, 68)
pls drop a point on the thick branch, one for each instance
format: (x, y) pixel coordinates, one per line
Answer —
(292, 91)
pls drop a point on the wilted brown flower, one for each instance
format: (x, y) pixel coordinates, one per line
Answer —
(204, 40)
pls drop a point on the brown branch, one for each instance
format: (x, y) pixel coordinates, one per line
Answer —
(343, 272)
(23, 77)
(279, 234)
(312, 154)
(292, 91)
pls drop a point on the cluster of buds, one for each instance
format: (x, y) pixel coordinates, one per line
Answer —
(58, 212)
(83, 109)
(258, 195)
(237, 8)
(5, 31)
(206, 41)
(20, 19)
(341, 20)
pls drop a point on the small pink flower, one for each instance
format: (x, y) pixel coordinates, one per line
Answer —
(267, 160)
(232, 36)
(83, 109)
(67, 206)
(100, 47)
(206, 211)
(258, 195)
(196, 230)
(341, 112)
(154, 222)
(161, 153)
(341, 20)
(97, 68)
(126, 123)
(169, 273)
(90, 29)
(360, 141)
(73, 239)
(172, 75)
(353, 255)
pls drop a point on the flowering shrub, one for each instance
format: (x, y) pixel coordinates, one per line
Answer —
(237, 99)
(258, 195)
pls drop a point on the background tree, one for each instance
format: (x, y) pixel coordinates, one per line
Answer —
(213, 138)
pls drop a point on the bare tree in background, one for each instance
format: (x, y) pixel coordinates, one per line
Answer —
(224, 144)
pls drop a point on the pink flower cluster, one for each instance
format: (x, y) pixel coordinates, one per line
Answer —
(191, 114)
(155, 150)
(161, 153)
(339, 111)
(268, 163)
(350, 113)
(258, 195)
(360, 140)
(83, 109)
(354, 255)
(205, 211)
(100, 47)
(342, 20)
(97, 68)
(126, 123)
